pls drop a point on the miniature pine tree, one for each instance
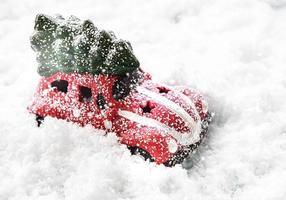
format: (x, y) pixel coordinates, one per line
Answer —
(74, 46)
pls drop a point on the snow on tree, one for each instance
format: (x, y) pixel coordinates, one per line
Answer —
(71, 45)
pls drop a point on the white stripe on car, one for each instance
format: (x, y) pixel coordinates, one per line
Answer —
(189, 102)
(182, 138)
(175, 108)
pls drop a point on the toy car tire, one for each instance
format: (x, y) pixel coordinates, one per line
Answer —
(39, 120)
(140, 152)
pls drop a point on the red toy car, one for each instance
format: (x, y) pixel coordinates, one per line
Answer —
(161, 123)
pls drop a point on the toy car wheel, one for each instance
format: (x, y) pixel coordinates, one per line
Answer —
(142, 153)
(39, 120)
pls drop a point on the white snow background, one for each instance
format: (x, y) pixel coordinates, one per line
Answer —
(234, 51)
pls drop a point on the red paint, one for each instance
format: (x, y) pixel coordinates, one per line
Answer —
(50, 102)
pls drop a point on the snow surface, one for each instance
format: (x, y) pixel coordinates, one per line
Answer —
(231, 50)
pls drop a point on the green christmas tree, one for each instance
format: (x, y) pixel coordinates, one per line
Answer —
(70, 45)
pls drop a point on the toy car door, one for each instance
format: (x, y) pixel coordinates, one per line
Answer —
(84, 106)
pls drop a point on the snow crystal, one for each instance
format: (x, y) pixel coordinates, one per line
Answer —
(76, 112)
(107, 124)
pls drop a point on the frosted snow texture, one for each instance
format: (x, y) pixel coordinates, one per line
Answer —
(232, 50)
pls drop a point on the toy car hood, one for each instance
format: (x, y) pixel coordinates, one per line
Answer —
(176, 111)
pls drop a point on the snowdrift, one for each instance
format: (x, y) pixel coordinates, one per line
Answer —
(233, 51)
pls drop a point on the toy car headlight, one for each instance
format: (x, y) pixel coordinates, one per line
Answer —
(205, 106)
(172, 145)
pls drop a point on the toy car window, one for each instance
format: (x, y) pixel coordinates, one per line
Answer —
(85, 94)
(60, 85)
(100, 101)
(124, 84)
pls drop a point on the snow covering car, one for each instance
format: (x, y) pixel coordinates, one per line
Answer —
(159, 122)
(91, 77)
